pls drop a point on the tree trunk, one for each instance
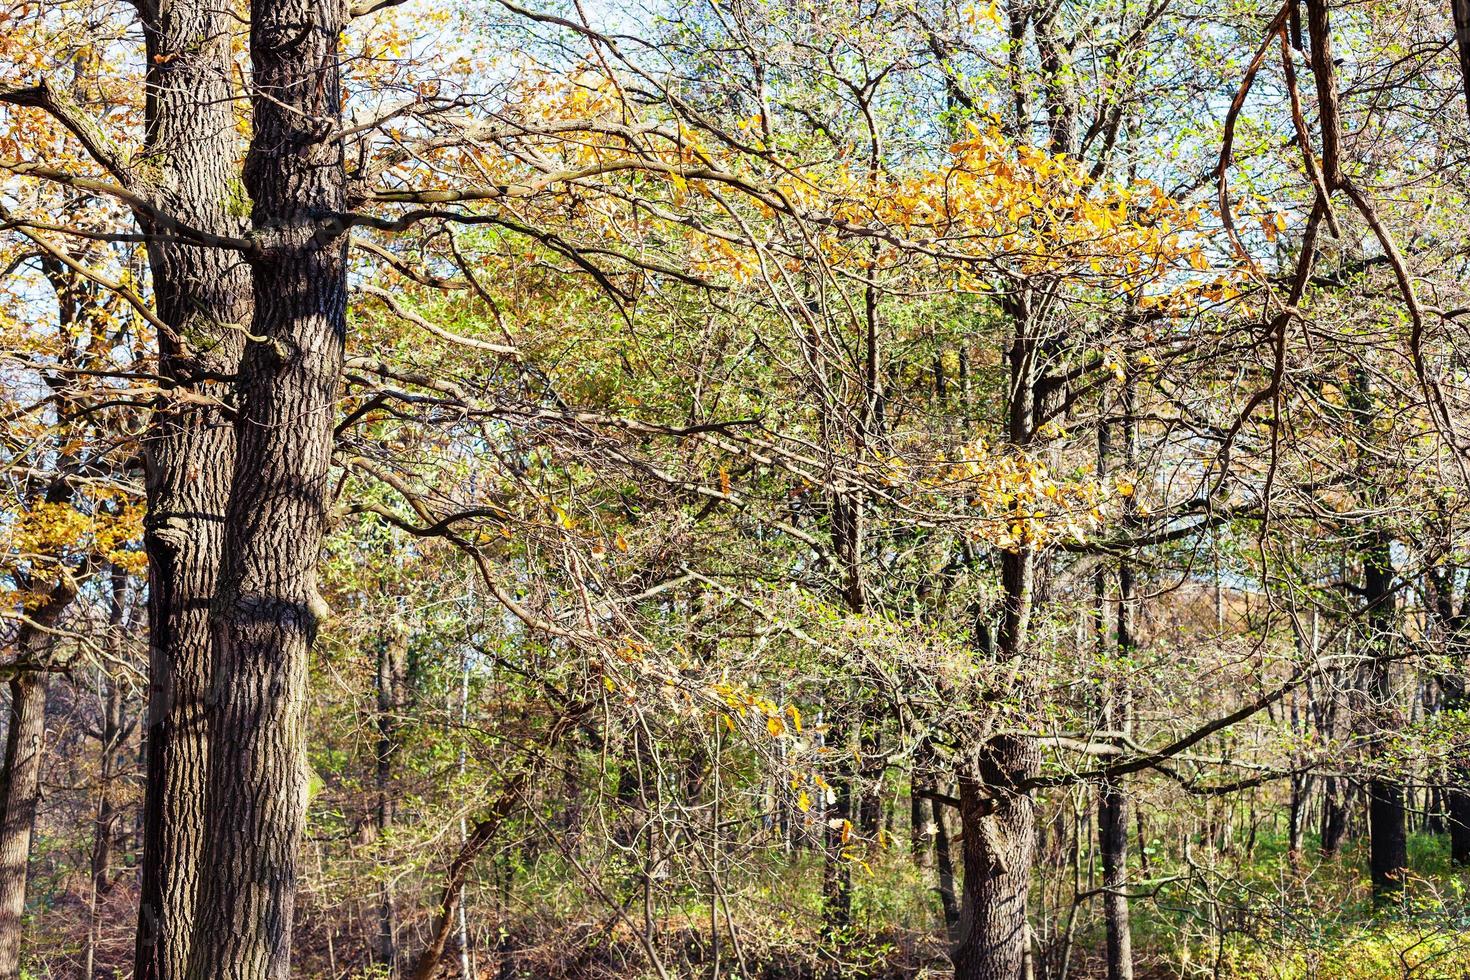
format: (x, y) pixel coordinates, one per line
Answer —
(1112, 803)
(1461, 11)
(1452, 622)
(1388, 842)
(1334, 816)
(836, 869)
(392, 686)
(22, 778)
(111, 734)
(266, 614)
(1457, 798)
(20, 781)
(921, 785)
(997, 813)
(944, 862)
(1387, 837)
(203, 294)
(999, 824)
(1112, 832)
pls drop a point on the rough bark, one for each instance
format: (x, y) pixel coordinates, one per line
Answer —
(997, 820)
(20, 781)
(23, 746)
(999, 824)
(203, 295)
(267, 609)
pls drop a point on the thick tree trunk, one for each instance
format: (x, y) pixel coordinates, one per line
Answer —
(267, 610)
(1461, 10)
(1457, 798)
(20, 781)
(999, 824)
(998, 820)
(1387, 852)
(1452, 622)
(204, 296)
(1457, 793)
(1334, 816)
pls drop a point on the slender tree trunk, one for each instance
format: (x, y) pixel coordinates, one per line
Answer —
(921, 782)
(203, 294)
(1112, 802)
(111, 734)
(392, 686)
(1388, 841)
(920, 846)
(267, 612)
(837, 870)
(944, 863)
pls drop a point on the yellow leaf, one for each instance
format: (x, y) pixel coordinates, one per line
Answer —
(803, 802)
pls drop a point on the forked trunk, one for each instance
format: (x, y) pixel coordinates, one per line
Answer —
(203, 294)
(267, 609)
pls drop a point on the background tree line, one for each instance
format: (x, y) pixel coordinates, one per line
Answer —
(758, 489)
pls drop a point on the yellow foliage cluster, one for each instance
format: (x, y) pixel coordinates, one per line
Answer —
(1022, 505)
(743, 702)
(999, 199)
(54, 533)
